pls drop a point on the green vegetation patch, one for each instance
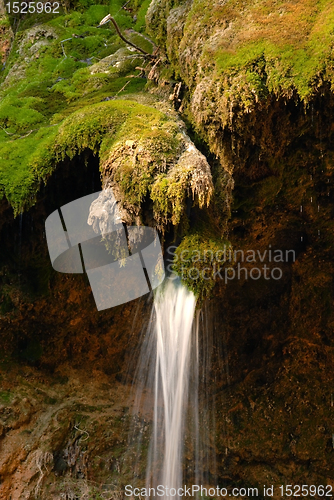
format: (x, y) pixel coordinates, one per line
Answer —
(294, 49)
(5, 397)
(249, 49)
(139, 147)
(48, 89)
(198, 261)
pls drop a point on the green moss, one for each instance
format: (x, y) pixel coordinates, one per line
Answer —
(17, 157)
(18, 114)
(4, 22)
(201, 256)
(137, 167)
(263, 47)
(107, 125)
(49, 89)
(141, 13)
(169, 194)
(141, 41)
(5, 397)
(87, 127)
(45, 88)
(270, 67)
(197, 261)
(95, 13)
(52, 108)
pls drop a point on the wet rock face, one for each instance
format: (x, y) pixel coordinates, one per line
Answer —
(275, 406)
(64, 435)
(273, 359)
(272, 345)
(63, 401)
(271, 375)
(37, 302)
(33, 41)
(65, 369)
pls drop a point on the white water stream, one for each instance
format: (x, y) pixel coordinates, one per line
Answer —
(174, 313)
(172, 381)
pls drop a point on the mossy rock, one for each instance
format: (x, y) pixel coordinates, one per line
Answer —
(51, 97)
(135, 142)
(198, 260)
(233, 59)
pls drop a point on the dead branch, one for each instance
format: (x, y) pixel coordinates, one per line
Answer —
(152, 73)
(110, 18)
(8, 133)
(83, 431)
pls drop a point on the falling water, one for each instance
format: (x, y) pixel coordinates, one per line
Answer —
(174, 313)
(173, 389)
(168, 363)
(173, 370)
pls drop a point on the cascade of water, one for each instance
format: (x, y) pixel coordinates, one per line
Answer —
(172, 379)
(174, 314)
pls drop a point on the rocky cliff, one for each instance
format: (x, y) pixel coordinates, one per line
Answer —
(249, 87)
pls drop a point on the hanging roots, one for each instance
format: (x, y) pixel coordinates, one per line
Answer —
(42, 460)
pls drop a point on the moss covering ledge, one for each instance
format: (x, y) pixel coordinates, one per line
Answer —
(143, 152)
(70, 89)
(61, 96)
(276, 46)
(233, 55)
(160, 161)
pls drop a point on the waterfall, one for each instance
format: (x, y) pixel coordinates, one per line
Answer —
(172, 389)
(174, 309)
(168, 364)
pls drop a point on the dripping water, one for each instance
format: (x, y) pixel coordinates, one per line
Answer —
(166, 394)
(172, 438)
(174, 310)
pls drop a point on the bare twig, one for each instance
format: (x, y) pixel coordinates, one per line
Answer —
(26, 135)
(152, 72)
(127, 83)
(62, 46)
(110, 18)
(77, 428)
(8, 133)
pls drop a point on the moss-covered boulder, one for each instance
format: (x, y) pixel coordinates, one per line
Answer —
(60, 99)
(232, 56)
